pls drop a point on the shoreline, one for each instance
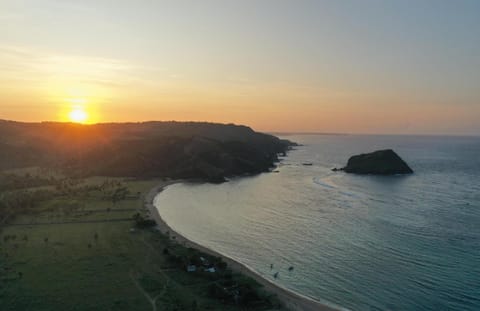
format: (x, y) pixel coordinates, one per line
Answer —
(290, 299)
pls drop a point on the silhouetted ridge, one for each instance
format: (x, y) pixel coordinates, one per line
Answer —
(150, 149)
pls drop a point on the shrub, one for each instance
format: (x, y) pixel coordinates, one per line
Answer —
(141, 222)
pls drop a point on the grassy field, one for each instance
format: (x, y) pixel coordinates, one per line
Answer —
(80, 251)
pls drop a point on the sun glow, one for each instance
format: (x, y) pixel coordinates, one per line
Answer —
(78, 115)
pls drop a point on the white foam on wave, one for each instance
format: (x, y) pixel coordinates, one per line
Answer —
(326, 182)
(321, 182)
(350, 194)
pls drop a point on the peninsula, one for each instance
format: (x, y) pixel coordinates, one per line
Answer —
(201, 150)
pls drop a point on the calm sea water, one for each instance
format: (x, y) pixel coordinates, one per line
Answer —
(360, 242)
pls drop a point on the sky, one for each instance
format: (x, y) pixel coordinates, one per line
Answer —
(363, 66)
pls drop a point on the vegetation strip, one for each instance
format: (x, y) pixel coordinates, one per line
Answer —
(69, 222)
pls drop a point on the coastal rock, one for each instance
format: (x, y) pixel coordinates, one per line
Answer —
(381, 162)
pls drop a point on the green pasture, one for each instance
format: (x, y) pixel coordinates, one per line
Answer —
(80, 252)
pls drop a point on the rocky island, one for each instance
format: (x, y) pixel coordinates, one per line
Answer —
(381, 162)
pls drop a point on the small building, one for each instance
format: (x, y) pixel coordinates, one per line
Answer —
(205, 262)
(211, 270)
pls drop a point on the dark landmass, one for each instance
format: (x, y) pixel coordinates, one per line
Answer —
(201, 150)
(72, 216)
(381, 162)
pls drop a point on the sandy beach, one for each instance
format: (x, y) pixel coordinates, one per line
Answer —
(291, 300)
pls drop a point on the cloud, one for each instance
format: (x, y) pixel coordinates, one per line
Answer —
(18, 63)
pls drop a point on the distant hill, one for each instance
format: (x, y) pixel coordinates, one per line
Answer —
(150, 149)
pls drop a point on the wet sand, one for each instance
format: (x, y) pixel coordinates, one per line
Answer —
(291, 300)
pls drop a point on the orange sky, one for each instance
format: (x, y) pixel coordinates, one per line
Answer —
(305, 67)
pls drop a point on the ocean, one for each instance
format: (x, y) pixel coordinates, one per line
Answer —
(360, 242)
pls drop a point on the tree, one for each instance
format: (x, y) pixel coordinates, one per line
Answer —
(141, 222)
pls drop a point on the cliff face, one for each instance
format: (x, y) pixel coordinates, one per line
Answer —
(151, 149)
(382, 162)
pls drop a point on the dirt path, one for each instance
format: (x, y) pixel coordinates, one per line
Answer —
(152, 301)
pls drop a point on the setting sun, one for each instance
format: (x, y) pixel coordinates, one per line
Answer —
(78, 115)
